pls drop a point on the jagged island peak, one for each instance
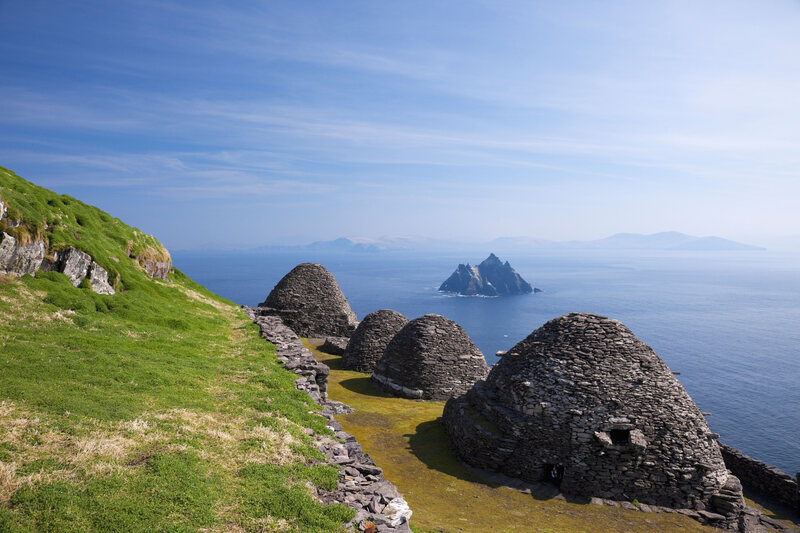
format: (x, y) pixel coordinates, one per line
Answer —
(492, 277)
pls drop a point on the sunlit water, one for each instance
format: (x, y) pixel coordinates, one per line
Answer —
(729, 323)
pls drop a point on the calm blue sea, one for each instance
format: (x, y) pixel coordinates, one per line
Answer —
(728, 322)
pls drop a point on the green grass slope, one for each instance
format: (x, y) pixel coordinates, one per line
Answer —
(155, 409)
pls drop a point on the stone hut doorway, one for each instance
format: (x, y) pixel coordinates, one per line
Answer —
(553, 473)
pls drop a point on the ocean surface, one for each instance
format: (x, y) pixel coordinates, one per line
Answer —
(728, 322)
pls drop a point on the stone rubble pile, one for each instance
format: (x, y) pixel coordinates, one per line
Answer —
(308, 300)
(370, 339)
(361, 485)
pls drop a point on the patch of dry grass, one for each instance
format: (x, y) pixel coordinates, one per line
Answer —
(93, 448)
(20, 304)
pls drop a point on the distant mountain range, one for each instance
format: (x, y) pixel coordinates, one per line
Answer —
(667, 240)
(664, 241)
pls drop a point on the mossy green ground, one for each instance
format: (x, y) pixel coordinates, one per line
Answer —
(158, 408)
(404, 437)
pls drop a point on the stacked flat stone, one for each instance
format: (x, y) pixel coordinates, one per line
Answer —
(431, 358)
(584, 393)
(310, 302)
(370, 339)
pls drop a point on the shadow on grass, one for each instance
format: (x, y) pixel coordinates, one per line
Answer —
(772, 508)
(363, 386)
(334, 362)
(429, 443)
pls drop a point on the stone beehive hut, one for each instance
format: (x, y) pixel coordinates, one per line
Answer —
(369, 341)
(586, 396)
(309, 301)
(431, 358)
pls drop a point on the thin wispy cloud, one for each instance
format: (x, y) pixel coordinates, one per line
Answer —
(580, 105)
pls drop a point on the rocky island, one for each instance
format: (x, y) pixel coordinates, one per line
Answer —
(490, 278)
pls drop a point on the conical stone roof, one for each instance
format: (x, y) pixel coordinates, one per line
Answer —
(431, 358)
(370, 338)
(309, 301)
(585, 394)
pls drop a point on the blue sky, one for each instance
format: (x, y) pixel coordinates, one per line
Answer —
(245, 123)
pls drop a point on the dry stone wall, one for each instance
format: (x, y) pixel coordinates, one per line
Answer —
(370, 339)
(361, 485)
(431, 358)
(308, 300)
(763, 478)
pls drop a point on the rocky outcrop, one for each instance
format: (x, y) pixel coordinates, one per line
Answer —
(490, 278)
(762, 478)
(309, 301)
(370, 339)
(361, 485)
(20, 259)
(76, 265)
(98, 280)
(157, 269)
(431, 358)
(583, 399)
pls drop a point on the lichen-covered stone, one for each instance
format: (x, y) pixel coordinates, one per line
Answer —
(19, 259)
(308, 300)
(334, 345)
(431, 358)
(584, 393)
(74, 264)
(370, 339)
(98, 279)
(157, 269)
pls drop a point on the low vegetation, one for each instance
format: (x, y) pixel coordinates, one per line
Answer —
(158, 408)
(60, 221)
(405, 438)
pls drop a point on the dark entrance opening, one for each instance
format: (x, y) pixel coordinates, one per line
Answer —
(553, 473)
(620, 436)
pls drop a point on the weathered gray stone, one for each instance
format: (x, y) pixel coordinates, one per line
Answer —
(762, 478)
(98, 279)
(583, 393)
(334, 345)
(310, 302)
(19, 259)
(157, 269)
(431, 358)
(74, 264)
(370, 339)
(361, 485)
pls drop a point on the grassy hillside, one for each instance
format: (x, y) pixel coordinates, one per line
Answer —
(154, 409)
